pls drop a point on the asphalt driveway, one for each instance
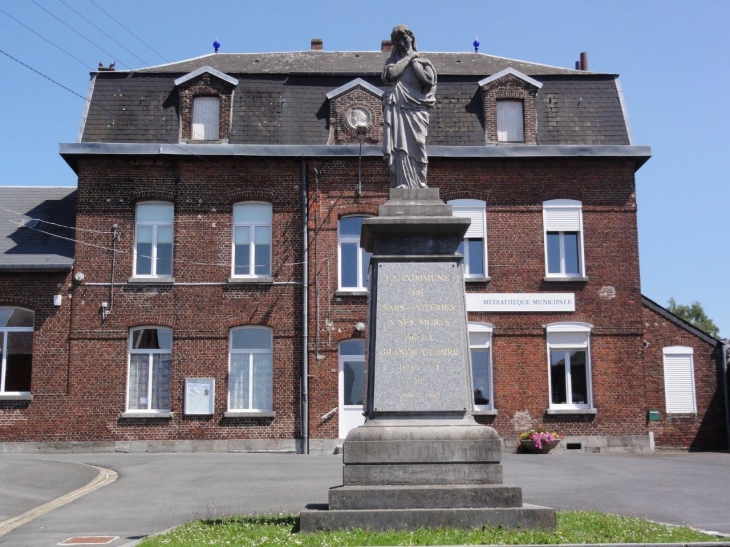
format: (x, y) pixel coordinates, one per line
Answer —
(157, 491)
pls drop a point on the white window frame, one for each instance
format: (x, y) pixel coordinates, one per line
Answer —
(483, 328)
(150, 352)
(501, 122)
(252, 251)
(566, 337)
(563, 216)
(476, 211)
(672, 404)
(155, 225)
(362, 284)
(251, 351)
(201, 121)
(4, 346)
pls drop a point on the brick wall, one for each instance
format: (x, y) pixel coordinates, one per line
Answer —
(706, 429)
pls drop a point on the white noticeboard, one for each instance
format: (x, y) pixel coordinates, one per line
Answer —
(199, 396)
(520, 302)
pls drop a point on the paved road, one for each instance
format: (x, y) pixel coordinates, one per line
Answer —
(158, 491)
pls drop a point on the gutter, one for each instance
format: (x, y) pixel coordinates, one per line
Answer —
(725, 348)
(305, 312)
(71, 151)
(53, 266)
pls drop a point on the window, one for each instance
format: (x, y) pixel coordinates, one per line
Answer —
(150, 369)
(251, 239)
(569, 370)
(474, 247)
(16, 350)
(510, 121)
(679, 381)
(250, 377)
(480, 347)
(153, 245)
(354, 260)
(206, 118)
(563, 223)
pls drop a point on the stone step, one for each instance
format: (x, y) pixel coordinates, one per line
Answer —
(423, 451)
(424, 497)
(422, 473)
(318, 517)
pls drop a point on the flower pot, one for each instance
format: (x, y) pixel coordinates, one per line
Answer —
(529, 445)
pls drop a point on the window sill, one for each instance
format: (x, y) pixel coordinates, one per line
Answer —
(132, 414)
(151, 280)
(246, 280)
(476, 279)
(565, 279)
(351, 293)
(492, 412)
(16, 397)
(569, 411)
(248, 414)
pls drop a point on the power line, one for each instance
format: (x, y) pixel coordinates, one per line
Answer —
(46, 39)
(55, 224)
(129, 31)
(77, 32)
(105, 34)
(103, 248)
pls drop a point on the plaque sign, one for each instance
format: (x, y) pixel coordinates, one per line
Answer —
(520, 302)
(420, 361)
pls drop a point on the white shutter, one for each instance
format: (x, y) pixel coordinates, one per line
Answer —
(510, 121)
(477, 214)
(562, 219)
(206, 119)
(679, 381)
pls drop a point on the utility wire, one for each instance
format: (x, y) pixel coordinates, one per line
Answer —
(129, 31)
(77, 32)
(103, 248)
(46, 39)
(105, 34)
(55, 224)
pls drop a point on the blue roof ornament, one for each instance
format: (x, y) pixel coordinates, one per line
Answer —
(216, 45)
(476, 44)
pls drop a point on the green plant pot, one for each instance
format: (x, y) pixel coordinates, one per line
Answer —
(529, 445)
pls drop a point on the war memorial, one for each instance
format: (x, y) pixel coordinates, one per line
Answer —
(420, 460)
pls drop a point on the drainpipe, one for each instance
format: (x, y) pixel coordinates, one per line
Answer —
(305, 313)
(725, 349)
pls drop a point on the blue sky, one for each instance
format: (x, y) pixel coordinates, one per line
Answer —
(672, 57)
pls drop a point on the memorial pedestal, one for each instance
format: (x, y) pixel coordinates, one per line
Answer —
(420, 460)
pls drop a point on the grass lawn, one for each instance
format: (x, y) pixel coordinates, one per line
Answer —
(282, 530)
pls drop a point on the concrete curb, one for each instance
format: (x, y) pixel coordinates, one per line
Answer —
(105, 476)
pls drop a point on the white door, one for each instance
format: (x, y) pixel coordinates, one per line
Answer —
(352, 368)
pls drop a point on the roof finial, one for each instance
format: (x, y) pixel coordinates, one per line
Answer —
(476, 44)
(216, 45)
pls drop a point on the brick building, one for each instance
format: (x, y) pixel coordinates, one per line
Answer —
(215, 297)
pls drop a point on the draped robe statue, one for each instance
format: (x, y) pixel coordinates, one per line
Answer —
(405, 111)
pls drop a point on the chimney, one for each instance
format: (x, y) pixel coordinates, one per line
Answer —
(386, 46)
(317, 44)
(577, 65)
(584, 61)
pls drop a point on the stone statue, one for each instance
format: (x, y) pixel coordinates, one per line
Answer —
(405, 110)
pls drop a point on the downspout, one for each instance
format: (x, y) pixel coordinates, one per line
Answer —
(305, 312)
(725, 348)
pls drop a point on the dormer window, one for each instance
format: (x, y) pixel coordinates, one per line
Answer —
(206, 119)
(351, 105)
(510, 107)
(206, 99)
(510, 121)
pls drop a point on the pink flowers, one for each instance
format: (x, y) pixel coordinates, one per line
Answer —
(539, 436)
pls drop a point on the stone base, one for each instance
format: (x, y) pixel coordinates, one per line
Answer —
(316, 518)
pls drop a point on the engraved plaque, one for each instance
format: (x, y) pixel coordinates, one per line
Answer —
(420, 354)
(358, 115)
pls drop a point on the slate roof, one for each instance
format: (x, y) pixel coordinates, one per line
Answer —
(282, 99)
(25, 248)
